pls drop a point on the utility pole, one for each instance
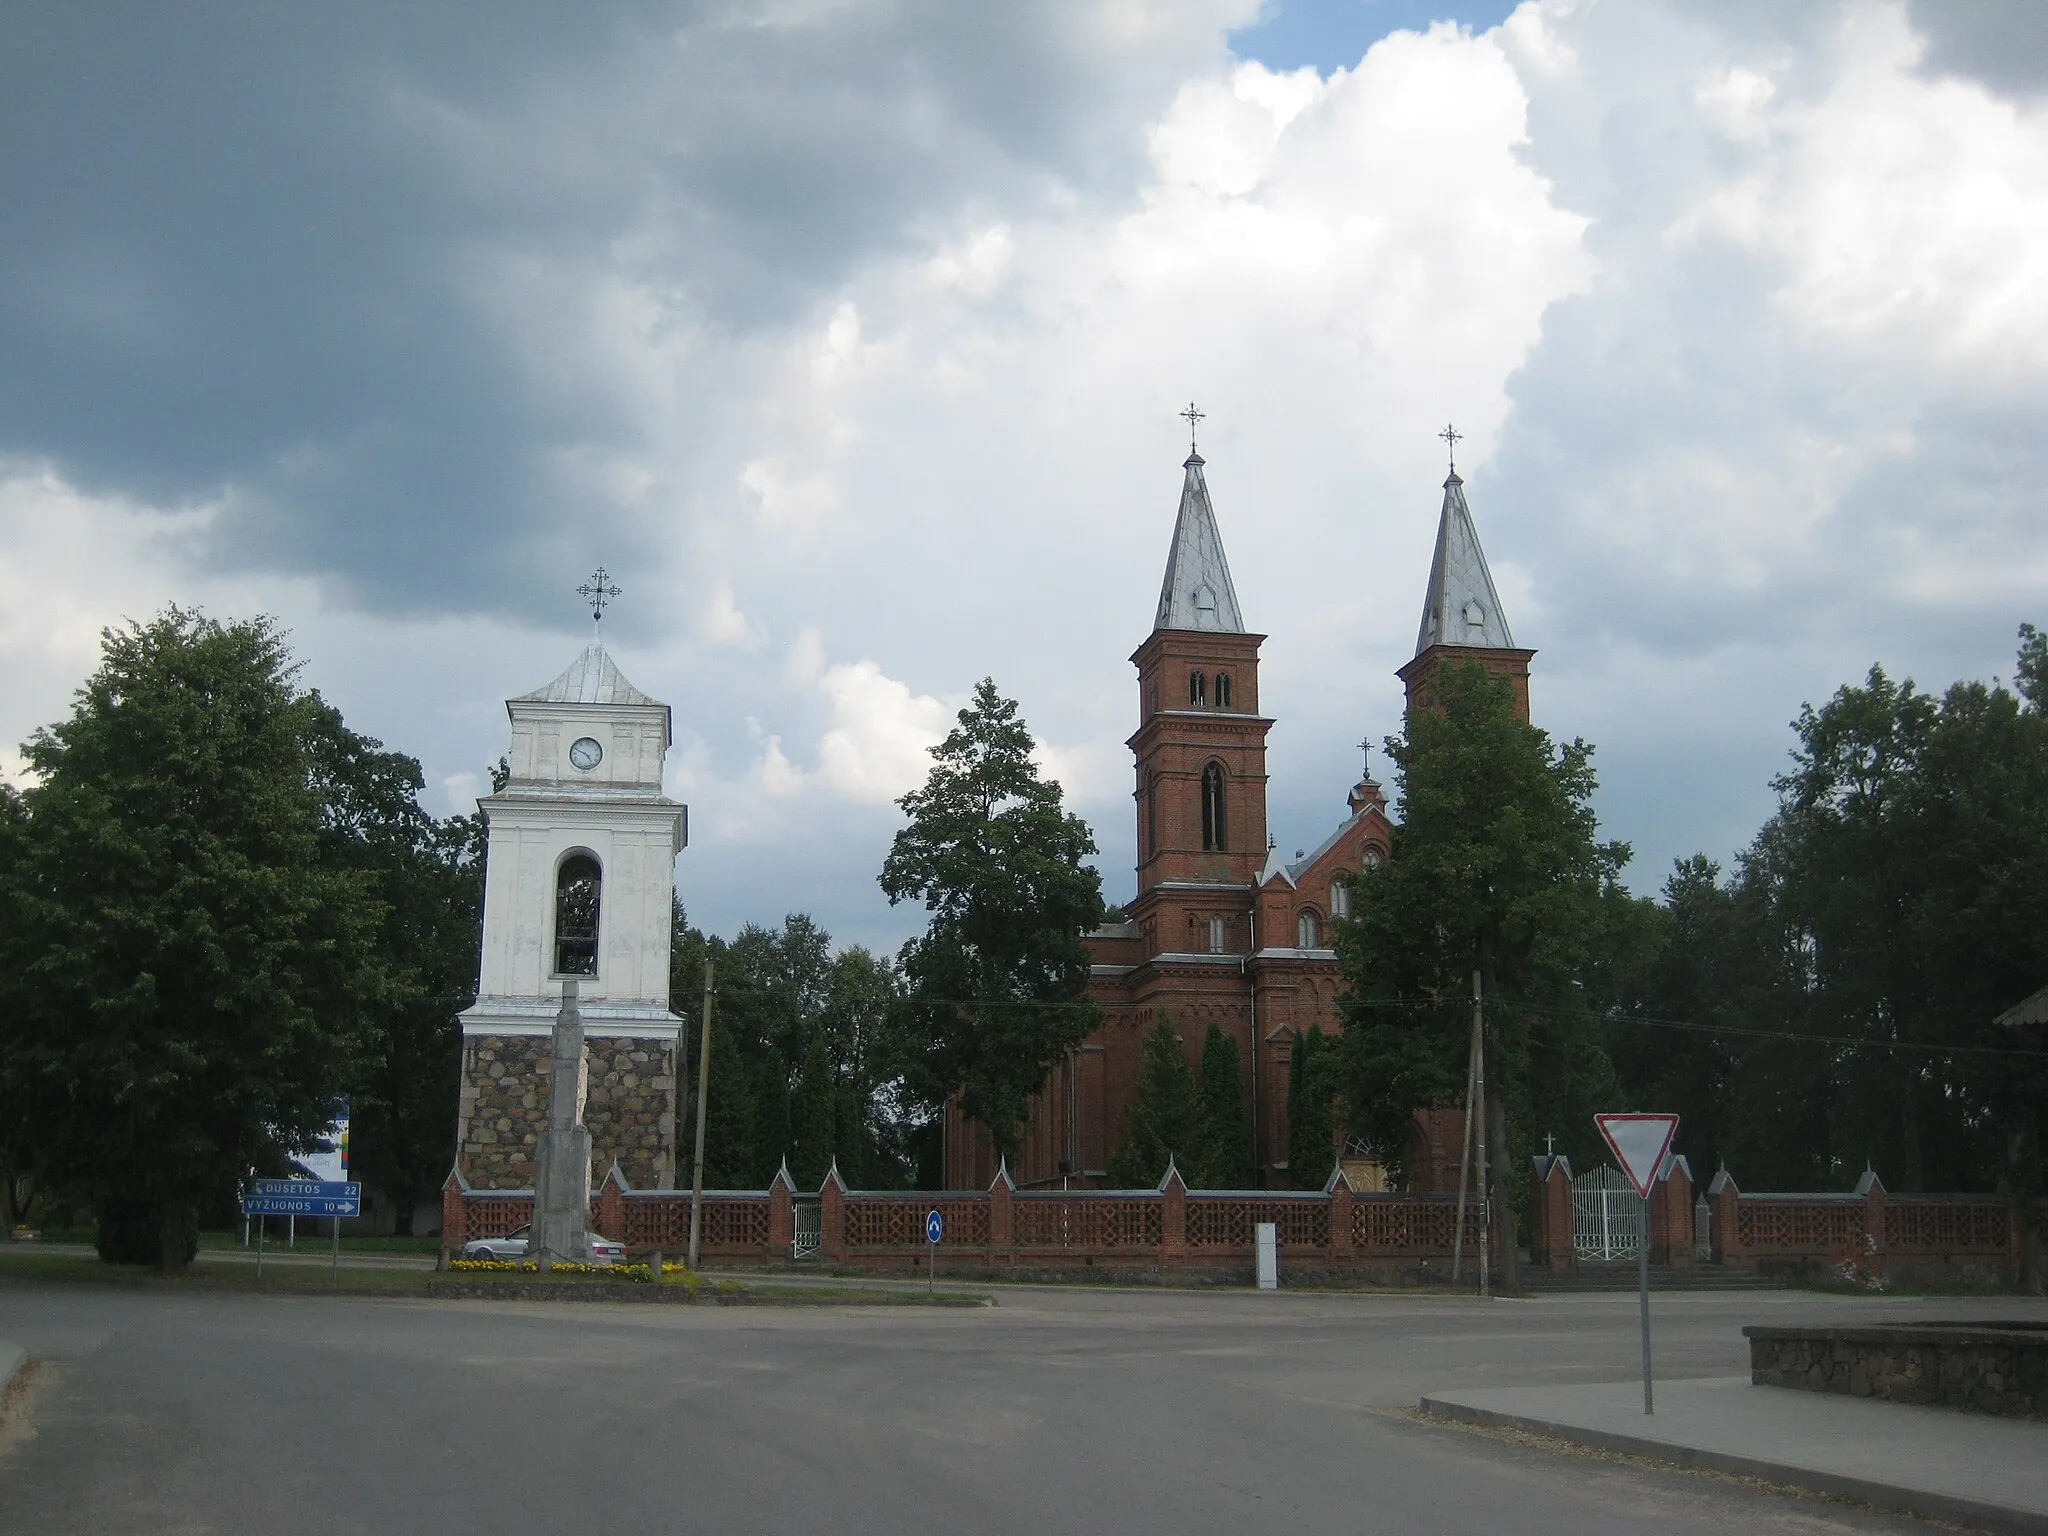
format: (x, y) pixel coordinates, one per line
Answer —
(1465, 1156)
(1479, 1093)
(703, 1086)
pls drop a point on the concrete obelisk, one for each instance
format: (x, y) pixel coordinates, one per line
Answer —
(561, 1175)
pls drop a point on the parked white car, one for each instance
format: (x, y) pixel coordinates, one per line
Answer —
(513, 1246)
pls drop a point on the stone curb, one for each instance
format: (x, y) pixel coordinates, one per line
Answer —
(679, 1295)
(1885, 1496)
(12, 1358)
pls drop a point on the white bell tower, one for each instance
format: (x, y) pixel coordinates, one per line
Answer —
(579, 877)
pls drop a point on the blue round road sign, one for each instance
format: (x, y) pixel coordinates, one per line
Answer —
(934, 1227)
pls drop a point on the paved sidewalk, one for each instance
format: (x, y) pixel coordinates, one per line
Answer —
(1923, 1461)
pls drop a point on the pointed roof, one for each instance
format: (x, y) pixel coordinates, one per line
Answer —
(592, 678)
(1461, 606)
(1197, 593)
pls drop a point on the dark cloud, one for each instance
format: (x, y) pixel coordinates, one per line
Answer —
(2003, 43)
(251, 249)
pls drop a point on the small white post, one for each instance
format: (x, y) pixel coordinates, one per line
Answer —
(1268, 1237)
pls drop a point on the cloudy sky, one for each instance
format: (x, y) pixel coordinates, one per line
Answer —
(848, 334)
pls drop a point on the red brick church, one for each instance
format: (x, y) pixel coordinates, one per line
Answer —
(1223, 928)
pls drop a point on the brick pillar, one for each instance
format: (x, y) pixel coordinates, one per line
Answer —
(1726, 1201)
(1173, 1226)
(1674, 1194)
(832, 1214)
(611, 1204)
(1871, 1188)
(781, 1221)
(1553, 1200)
(454, 1214)
(1000, 1226)
(1341, 1201)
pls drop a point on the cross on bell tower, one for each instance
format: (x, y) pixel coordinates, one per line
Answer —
(598, 592)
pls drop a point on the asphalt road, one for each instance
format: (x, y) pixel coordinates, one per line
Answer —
(1054, 1411)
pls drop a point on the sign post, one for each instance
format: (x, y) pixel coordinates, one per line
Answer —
(1640, 1143)
(934, 1229)
(302, 1197)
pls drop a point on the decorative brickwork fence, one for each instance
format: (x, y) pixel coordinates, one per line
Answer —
(1865, 1236)
(1390, 1239)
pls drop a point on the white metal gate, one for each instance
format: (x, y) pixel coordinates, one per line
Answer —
(804, 1229)
(1609, 1219)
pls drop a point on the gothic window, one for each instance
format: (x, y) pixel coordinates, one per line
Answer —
(1306, 931)
(1152, 816)
(579, 886)
(1215, 823)
(1340, 899)
(1219, 933)
(1223, 690)
(1198, 690)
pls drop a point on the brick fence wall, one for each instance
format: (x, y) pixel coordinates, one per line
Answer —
(1966, 1241)
(1867, 1234)
(1391, 1239)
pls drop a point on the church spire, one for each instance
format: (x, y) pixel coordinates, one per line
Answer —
(1460, 607)
(1197, 593)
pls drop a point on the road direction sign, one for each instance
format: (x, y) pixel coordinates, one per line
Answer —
(1640, 1144)
(302, 1197)
(934, 1227)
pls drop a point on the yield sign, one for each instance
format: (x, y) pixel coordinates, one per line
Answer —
(1640, 1143)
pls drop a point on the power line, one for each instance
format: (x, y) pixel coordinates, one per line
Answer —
(1651, 1021)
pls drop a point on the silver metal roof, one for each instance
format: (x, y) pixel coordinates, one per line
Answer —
(592, 678)
(1460, 607)
(1197, 593)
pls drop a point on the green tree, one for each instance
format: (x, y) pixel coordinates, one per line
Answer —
(812, 1109)
(998, 982)
(1496, 868)
(428, 876)
(1311, 1111)
(1225, 1138)
(1164, 1120)
(191, 978)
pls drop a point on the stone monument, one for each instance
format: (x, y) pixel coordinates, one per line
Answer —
(561, 1174)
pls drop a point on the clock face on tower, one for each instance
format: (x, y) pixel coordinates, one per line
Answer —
(585, 753)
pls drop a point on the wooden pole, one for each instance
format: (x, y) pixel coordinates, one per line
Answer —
(1464, 1160)
(703, 1085)
(1479, 1123)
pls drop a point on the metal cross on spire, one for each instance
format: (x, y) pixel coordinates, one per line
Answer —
(1365, 746)
(1453, 437)
(1191, 415)
(598, 592)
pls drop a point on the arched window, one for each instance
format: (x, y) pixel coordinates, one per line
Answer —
(1340, 898)
(1198, 690)
(1219, 934)
(1223, 690)
(1152, 816)
(1215, 824)
(1306, 931)
(579, 887)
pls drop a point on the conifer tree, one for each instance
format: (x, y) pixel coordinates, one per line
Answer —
(1164, 1121)
(1311, 1122)
(998, 982)
(1226, 1143)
